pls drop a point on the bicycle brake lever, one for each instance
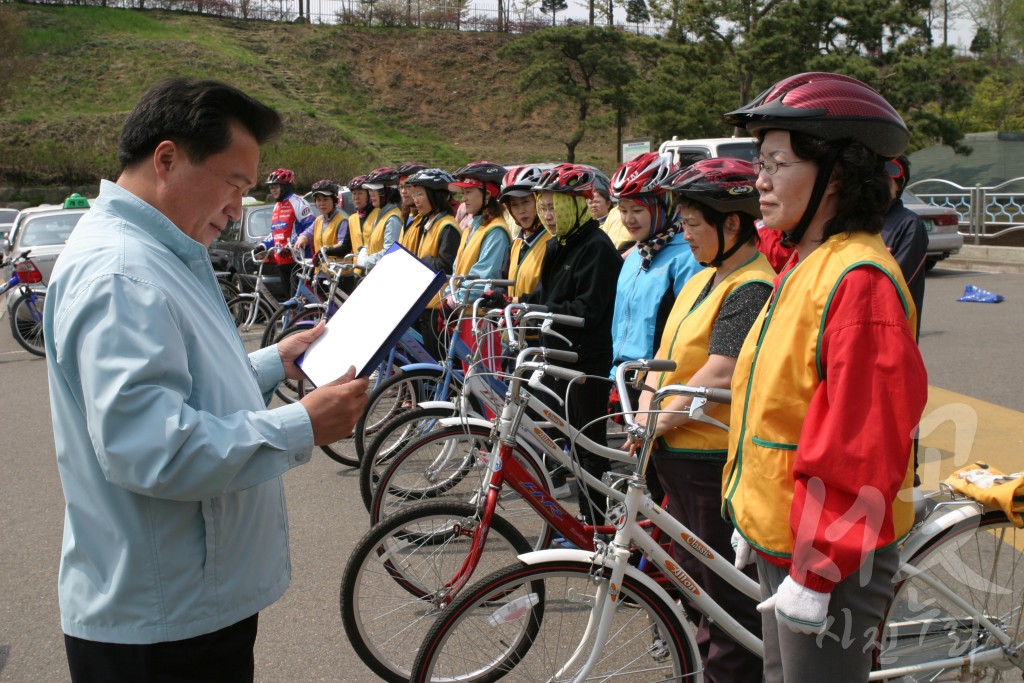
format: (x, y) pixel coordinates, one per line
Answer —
(535, 384)
(697, 413)
(546, 329)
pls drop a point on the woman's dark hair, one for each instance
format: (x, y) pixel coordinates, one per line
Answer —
(440, 200)
(491, 210)
(747, 231)
(196, 115)
(863, 196)
(391, 196)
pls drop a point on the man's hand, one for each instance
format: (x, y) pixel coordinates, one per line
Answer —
(335, 408)
(294, 345)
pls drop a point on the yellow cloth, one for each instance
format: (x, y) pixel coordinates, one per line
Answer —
(1007, 496)
(616, 231)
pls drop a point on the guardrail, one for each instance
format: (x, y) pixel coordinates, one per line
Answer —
(985, 212)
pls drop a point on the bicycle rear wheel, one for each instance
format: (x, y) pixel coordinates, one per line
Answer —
(524, 622)
(27, 322)
(401, 568)
(250, 315)
(981, 560)
(395, 396)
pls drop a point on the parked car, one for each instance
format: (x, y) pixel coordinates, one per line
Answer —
(942, 224)
(7, 217)
(45, 230)
(687, 152)
(232, 252)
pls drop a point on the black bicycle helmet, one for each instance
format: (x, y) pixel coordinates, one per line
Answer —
(407, 169)
(380, 178)
(431, 178)
(357, 182)
(327, 188)
(485, 175)
(726, 186)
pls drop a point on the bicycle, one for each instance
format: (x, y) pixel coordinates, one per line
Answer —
(27, 310)
(564, 614)
(410, 566)
(256, 308)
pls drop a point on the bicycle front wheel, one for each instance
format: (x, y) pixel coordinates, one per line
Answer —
(27, 322)
(525, 622)
(980, 560)
(395, 396)
(401, 568)
(250, 315)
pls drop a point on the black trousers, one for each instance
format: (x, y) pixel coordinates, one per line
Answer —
(224, 656)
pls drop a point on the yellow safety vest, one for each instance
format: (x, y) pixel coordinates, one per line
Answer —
(469, 250)
(325, 233)
(526, 273)
(777, 373)
(686, 339)
(410, 238)
(430, 243)
(360, 229)
(375, 240)
(615, 229)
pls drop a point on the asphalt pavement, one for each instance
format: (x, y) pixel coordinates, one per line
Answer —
(971, 351)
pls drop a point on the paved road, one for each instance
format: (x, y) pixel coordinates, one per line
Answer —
(971, 350)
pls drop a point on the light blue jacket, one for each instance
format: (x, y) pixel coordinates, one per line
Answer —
(639, 293)
(171, 465)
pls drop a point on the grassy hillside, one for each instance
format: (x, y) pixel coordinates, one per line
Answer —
(352, 98)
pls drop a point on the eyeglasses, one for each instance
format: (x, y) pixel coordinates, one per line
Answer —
(770, 166)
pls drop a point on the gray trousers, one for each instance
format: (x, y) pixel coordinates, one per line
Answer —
(844, 653)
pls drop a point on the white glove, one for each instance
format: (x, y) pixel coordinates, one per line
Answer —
(801, 609)
(362, 257)
(742, 549)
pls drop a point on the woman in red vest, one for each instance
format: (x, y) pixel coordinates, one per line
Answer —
(829, 386)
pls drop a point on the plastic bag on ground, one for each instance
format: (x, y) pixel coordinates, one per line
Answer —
(979, 295)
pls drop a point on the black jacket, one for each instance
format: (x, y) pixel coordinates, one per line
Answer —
(907, 239)
(579, 278)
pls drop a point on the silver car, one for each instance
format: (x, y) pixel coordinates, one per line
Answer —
(44, 230)
(942, 224)
(7, 217)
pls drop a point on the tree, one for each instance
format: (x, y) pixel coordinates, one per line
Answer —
(554, 7)
(580, 73)
(1000, 20)
(636, 12)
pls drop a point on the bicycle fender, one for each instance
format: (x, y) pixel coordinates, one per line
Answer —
(933, 527)
(447, 405)
(464, 421)
(414, 367)
(586, 557)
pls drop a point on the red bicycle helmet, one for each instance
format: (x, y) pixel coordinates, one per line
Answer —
(724, 184)
(828, 106)
(407, 169)
(645, 174)
(281, 176)
(574, 180)
(357, 182)
(519, 180)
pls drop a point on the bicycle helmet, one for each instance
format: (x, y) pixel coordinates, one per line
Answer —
(519, 180)
(357, 182)
(76, 201)
(726, 186)
(407, 169)
(644, 174)
(380, 178)
(281, 176)
(575, 180)
(483, 174)
(431, 178)
(602, 185)
(327, 188)
(829, 106)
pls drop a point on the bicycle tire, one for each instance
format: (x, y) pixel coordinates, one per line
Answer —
(240, 309)
(227, 289)
(390, 441)
(475, 640)
(399, 568)
(984, 556)
(396, 395)
(291, 390)
(275, 326)
(451, 463)
(27, 322)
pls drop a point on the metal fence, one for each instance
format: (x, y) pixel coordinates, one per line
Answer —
(985, 212)
(520, 16)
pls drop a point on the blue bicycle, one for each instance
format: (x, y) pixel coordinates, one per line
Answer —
(27, 310)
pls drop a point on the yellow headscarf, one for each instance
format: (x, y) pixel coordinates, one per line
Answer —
(570, 213)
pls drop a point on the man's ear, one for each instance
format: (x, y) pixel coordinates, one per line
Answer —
(166, 154)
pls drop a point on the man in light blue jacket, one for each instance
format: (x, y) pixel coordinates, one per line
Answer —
(175, 530)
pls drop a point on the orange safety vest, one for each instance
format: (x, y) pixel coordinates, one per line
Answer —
(686, 339)
(777, 373)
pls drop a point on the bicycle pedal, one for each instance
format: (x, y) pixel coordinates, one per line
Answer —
(658, 650)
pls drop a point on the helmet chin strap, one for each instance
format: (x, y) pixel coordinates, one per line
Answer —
(721, 256)
(793, 237)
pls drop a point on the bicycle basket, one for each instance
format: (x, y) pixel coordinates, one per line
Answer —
(28, 273)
